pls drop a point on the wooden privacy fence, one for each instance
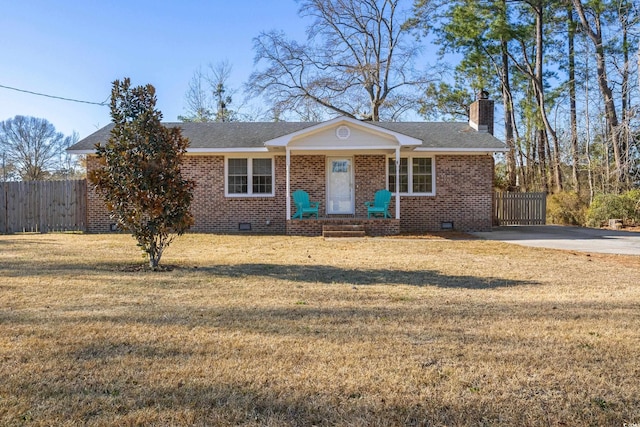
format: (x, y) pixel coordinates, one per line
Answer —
(43, 206)
(520, 208)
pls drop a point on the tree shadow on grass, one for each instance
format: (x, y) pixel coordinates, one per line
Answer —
(324, 274)
(15, 268)
(362, 277)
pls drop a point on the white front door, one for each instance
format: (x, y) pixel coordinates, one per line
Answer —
(340, 197)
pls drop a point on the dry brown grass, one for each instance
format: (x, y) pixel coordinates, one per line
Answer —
(263, 330)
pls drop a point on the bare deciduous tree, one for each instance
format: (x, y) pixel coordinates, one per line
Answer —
(208, 98)
(31, 148)
(358, 61)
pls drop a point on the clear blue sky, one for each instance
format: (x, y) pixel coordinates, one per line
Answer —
(76, 49)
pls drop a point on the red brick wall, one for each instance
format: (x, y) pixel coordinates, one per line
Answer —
(370, 176)
(98, 220)
(463, 194)
(308, 173)
(212, 211)
(215, 213)
(464, 186)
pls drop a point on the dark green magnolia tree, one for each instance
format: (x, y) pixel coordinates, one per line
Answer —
(139, 171)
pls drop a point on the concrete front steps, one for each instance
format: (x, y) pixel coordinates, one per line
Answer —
(343, 230)
(372, 227)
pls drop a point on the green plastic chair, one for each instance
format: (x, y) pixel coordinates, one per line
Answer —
(380, 204)
(304, 207)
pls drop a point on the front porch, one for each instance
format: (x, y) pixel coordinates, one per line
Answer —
(312, 227)
(341, 164)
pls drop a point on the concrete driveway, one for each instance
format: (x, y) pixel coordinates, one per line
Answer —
(569, 238)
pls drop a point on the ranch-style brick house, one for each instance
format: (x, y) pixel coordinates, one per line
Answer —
(440, 174)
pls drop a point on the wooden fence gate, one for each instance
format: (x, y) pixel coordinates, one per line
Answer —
(43, 206)
(519, 208)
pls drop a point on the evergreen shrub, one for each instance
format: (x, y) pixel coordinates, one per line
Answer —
(566, 208)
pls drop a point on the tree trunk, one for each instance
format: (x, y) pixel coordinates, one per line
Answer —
(375, 112)
(534, 70)
(625, 93)
(541, 138)
(572, 100)
(554, 157)
(537, 90)
(603, 82)
(590, 178)
(507, 102)
(154, 251)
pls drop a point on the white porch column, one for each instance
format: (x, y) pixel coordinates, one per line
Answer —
(288, 168)
(398, 182)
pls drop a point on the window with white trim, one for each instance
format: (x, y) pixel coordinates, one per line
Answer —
(415, 175)
(249, 177)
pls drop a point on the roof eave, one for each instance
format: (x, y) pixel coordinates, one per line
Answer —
(80, 152)
(227, 150)
(477, 150)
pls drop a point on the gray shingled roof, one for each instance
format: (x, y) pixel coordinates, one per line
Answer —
(213, 136)
(445, 135)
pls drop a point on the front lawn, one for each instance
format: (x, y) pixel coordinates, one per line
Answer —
(277, 331)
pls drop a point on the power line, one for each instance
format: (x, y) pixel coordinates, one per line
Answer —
(103, 103)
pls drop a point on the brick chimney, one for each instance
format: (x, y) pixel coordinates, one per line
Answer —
(481, 113)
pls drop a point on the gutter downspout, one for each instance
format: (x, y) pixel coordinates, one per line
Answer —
(288, 168)
(397, 182)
